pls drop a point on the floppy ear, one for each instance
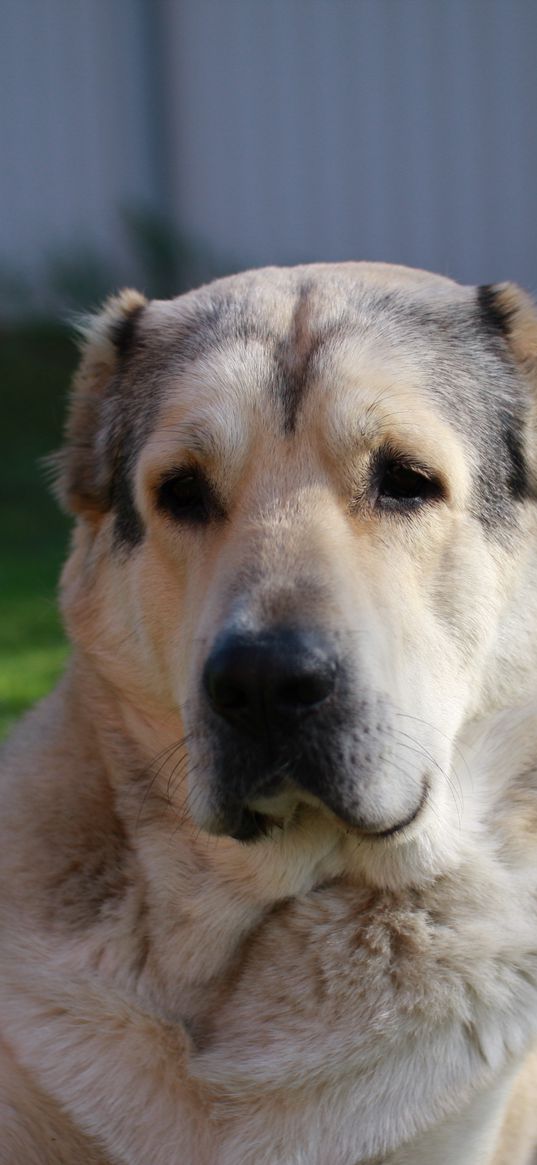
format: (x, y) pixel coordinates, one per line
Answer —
(85, 465)
(511, 313)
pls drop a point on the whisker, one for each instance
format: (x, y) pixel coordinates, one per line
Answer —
(457, 794)
(166, 754)
(434, 728)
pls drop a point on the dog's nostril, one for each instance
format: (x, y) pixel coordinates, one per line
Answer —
(249, 679)
(306, 689)
(229, 678)
(225, 693)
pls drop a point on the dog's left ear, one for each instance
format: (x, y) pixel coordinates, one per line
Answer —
(510, 313)
(84, 467)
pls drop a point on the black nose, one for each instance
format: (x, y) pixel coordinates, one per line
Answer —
(254, 680)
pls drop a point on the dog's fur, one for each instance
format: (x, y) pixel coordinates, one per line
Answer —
(359, 983)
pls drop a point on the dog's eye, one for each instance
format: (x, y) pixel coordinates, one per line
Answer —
(186, 496)
(400, 486)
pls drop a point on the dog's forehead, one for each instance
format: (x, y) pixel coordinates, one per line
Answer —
(265, 341)
(302, 307)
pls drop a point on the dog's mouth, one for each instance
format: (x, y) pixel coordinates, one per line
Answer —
(252, 826)
(267, 815)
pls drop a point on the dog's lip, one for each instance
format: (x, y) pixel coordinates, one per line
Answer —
(270, 813)
(393, 830)
(250, 826)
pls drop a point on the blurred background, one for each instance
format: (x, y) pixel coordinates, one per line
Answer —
(163, 142)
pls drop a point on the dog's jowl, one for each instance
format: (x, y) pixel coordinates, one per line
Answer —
(269, 852)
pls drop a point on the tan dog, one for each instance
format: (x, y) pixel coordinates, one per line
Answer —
(302, 594)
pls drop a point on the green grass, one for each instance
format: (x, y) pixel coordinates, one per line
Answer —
(36, 363)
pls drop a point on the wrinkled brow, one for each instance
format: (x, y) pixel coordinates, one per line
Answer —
(215, 443)
(197, 438)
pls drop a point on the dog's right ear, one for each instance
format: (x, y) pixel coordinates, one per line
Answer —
(511, 314)
(85, 465)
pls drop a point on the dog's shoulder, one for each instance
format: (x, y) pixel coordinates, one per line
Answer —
(65, 857)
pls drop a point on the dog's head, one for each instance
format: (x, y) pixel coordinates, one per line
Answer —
(305, 500)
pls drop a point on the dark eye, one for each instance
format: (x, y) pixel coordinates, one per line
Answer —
(401, 486)
(187, 497)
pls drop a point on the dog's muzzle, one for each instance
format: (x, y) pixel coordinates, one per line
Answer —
(285, 721)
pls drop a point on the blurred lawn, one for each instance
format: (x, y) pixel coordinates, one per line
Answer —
(36, 363)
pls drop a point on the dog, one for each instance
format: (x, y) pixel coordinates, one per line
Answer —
(269, 849)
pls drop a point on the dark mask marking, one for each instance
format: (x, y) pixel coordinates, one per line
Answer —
(495, 320)
(213, 325)
(517, 478)
(294, 357)
(297, 355)
(128, 526)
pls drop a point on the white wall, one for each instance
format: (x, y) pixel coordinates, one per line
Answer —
(274, 130)
(75, 130)
(392, 129)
